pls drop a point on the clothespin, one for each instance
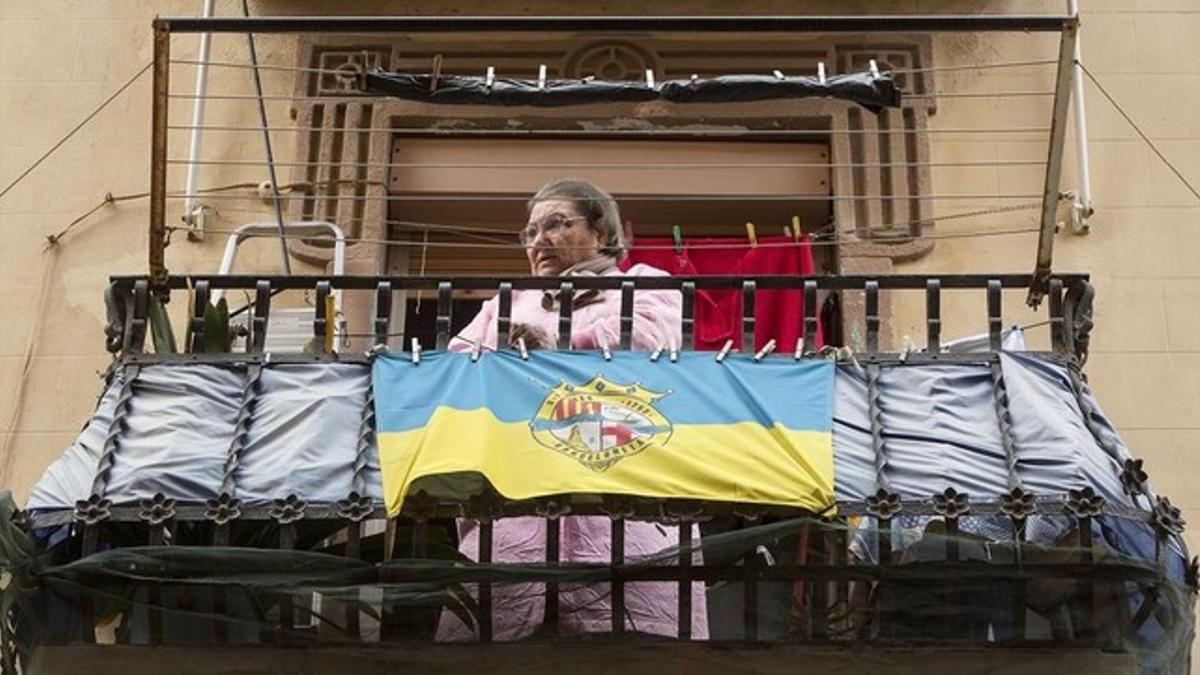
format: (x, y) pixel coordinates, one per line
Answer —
(490, 78)
(649, 78)
(436, 72)
(874, 69)
(695, 77)
(750, 234)
(521, 347)
(778, 74)
(476, 350)
(375, 350)
(796, 233)
(909, 347)
(416, 352)
(658, 350)
(821, 72)
(724, 351)
(674, 353)
(604, 349)
(677, 235)
(799, 349)
(541, 77)
(767, 349)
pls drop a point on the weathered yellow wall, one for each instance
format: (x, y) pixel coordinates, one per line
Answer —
(60, 59)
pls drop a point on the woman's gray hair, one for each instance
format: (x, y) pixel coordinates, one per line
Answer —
(593, 203)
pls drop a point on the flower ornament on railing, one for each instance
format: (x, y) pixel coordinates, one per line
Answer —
(1168, 518)
(420, 507)
(355, 507)
(223, 509)
(1133, 477)
(677, 510)
(287, 510)
(1085, 503)
(157, 509)
(93, 510)
(616, 506)
(552, 507)
(952, 504)
(884, 504)
(1018, 504)
(484, 507)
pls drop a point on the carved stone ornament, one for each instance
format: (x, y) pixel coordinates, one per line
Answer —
(1085, 503)
(355, 507)
(223, 509)
(952, 504)
(287, 510)
(157, 509)
(1018, 504)
(93, 510)
(884, 504)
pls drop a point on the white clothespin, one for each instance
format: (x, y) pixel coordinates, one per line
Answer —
(874, 69)
(847, 354)
(695, 77)
(649, 78)
(821, 72)
(799, 349)
(376, 350)
(724, 351)
(542, 76)
(604, 349)
(767, 349)
(521, 347)
(909, 347)
(674, 353)
(476, 351)
(416, 352)
(779, 74)
(658, 350)
(490, 78)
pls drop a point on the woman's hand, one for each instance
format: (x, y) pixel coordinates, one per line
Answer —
(535, 338)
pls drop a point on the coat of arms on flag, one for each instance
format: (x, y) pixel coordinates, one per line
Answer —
(601, 422)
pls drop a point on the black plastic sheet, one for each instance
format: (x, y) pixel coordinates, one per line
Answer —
(873, 92)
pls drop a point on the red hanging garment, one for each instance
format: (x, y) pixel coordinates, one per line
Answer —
(779, 315)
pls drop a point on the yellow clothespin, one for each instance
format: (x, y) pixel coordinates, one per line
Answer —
(796, 233)
(750, 234)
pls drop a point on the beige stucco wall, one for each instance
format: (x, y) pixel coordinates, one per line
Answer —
(59, 59)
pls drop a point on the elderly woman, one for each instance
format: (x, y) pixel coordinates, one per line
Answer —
(574, 229)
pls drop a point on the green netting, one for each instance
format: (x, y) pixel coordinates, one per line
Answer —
(814, 581)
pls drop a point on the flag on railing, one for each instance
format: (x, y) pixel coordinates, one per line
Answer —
(572, 422)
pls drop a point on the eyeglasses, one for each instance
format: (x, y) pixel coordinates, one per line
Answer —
(551, 225)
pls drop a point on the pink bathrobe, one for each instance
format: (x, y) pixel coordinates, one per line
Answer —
(518, 609)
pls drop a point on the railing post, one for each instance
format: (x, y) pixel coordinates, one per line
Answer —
(995, 325)
(566, 297)
(748, 297)
(199, 304)
(872, 316)
(933, 316)
(262, 312)
(810, 316)
(445, 306)
(321, 332)
(383, 312)
(688, 317)
(627, 288)
(504, 320)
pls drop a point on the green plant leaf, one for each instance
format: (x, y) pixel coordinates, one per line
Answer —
(160, 328)
(217, 338)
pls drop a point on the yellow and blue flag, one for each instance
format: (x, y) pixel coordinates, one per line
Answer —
(573, 422)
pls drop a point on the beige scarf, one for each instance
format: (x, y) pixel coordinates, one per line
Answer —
(595, 266)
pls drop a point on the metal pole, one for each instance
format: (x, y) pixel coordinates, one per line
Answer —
(893, 23)
(1058, 134)
(262, 115)
(190, 217)
(158, 158)
(1083, 206)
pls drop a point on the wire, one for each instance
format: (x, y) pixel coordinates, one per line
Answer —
(720, 246)
(633, 166)
(709, 133)
(77, 127)
(379, 99)
(53, 239)
(1139, 131)
(627, 198)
